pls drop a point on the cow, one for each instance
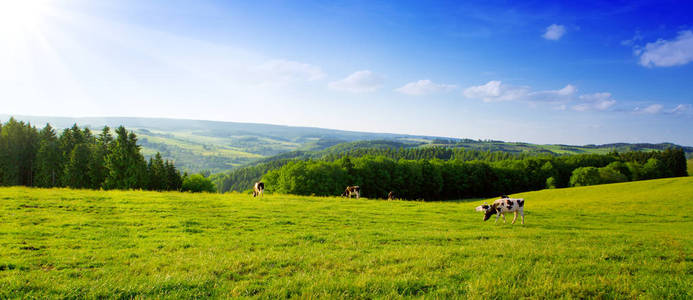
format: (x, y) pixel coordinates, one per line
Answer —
(258, 189)
(391, 195)
(483, 207)
(352, 190)
(503, 206)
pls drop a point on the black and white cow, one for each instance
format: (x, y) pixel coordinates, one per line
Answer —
(352, 190)
(503, 206)
(258, 189)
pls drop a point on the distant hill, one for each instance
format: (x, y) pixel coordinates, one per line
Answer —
(197, 145)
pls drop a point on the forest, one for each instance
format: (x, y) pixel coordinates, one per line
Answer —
(78, 158)
(457, 178)
(242, 178)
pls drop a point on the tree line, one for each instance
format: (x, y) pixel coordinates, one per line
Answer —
(436, 179)
(243, 178)
(78, 158)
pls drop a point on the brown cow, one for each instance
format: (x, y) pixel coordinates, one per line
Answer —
(258, 189)
(352, 190)
(391, 195)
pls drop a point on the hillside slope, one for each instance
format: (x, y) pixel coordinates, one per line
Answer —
(629, 240)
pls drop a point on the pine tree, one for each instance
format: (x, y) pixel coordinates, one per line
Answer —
(126, 168)
(157, 173)
(76, 170)
(18, 147)
(174, 181)
(48, 159)
(137, 169)
(97, 163)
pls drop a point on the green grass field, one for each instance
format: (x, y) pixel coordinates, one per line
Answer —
(628, 240)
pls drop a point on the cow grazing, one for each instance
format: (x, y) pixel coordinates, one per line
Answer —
(258, 189)
(391, 195)
(483, 207)
(503, 206)
(352, 190)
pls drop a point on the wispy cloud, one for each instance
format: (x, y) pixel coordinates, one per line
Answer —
(286, 71)
(495, 91)
(650, 109)
(561, 99)
(596, 101)
(358, 82)
(553, 96)
(554, 32)
(424, 87)
(667, 53)
(630, 42)
(657, 108)
(681, 108)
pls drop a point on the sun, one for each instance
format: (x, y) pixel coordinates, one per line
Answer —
(19, 18)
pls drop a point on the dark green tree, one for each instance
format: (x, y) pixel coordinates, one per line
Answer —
(124, 164)
(48, 159)
(174, 181)
(156, 172)
(76, 170)
(97, 164)
(19, 143)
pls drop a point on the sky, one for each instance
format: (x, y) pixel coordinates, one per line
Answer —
(579, 72)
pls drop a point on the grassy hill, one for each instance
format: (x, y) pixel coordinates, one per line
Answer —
(197, 145)
(629, 240)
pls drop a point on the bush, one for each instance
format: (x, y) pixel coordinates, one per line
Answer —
(197, 183)
(551, 182)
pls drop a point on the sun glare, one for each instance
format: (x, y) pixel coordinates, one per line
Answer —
(21, 17)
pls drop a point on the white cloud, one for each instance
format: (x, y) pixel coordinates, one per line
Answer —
(650, 109)
(495, 91)
(554, 32)
(663, 53)
(660, 109)
(653, 109)
(681, 108)
(358, 82)
(567, 90)
(596, 101)
(286, 70)
(561, 99)
(424, 87)
(488, 90)
(553, 96)
(564, 99)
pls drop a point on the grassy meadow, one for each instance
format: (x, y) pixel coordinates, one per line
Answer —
(627, 240)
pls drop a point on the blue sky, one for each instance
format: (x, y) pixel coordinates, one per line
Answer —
(542, 72)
